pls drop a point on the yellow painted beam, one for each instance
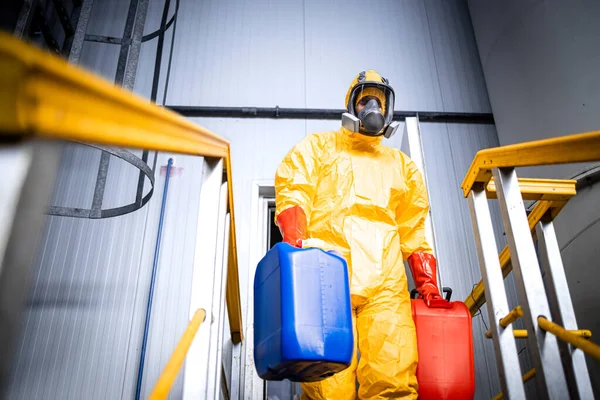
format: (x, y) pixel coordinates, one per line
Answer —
(540, 189)
(584, 333)
(582, 147)
(529, 375)
(526, 378)
(518, 333)
(589, 348)
(43, 95)
(511, 317)
(522, 333)
(171, 370)
(232, 294)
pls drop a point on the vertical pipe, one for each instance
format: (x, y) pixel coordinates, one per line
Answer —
(138, 390)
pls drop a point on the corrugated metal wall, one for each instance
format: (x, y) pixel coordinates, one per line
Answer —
(237, 53)
(81, 301)
(85, 318)
(304, 54)
(84, 322)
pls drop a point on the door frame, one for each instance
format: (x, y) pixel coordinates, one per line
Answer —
(412, 146)
(263, 194)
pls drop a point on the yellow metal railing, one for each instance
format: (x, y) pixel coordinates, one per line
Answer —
(551, 196)
(574, 338)
(522, 333)
(526, 378)
(589, 348)
(583, 147)
(169, 374)
(45, 97)
(512, 316)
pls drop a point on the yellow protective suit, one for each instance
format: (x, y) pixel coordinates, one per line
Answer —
(368, 202)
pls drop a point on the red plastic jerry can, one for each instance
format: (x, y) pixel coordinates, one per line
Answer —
(446, 368)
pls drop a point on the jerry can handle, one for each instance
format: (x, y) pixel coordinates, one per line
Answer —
(414, 293)
(448, 292)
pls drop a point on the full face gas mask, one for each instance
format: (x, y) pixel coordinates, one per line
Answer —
(371, 117)
(373, 93)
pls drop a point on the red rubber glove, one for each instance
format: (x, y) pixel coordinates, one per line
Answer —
(423, 269)
(292, 225)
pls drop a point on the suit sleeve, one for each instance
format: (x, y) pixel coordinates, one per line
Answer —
(296, 177)
(411, 215)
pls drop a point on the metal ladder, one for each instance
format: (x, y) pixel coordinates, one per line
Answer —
(556, 345)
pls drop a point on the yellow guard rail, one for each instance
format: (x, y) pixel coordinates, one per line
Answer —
(169, 374)
(44, 96)
(551, 195)
(583, 147)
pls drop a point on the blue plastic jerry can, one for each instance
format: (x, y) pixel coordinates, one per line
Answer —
(302, 315)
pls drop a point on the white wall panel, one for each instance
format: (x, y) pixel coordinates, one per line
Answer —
(100, 58)
(456, 57)
(392, 37)
(239, 53)
(81, 302)
(305, 54)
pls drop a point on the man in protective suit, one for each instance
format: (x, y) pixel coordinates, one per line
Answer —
(345, 191)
